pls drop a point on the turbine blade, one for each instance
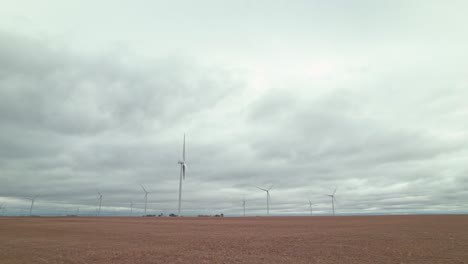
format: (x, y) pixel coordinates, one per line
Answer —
(183, 151)
(271, 187)
(143, 188)
(183, 170)
(261, 189)
(334, 191)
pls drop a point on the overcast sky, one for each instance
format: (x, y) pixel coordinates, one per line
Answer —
(370, 97)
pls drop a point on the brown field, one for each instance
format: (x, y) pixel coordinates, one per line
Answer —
(364, 239)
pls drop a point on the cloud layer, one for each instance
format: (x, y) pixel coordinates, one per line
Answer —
(379, 116)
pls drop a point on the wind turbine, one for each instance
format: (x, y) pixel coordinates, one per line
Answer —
(131, 208)
(183, 167)
(268, 197)
(310, 206)
(32, 203)
(243, 204)
(146, 197)
(100, 202)
(333, 199)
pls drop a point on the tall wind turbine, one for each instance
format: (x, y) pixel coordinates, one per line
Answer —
(310, 206)
(183, 167)
(332, 196)
(32, 203)
(100, 202)
(268, 197)
(146, 197)
(131, 208)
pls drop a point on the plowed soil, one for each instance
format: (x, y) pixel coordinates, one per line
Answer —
(363, 239)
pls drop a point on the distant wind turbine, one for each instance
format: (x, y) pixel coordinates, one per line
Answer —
(333, 199)
(33, 199)
(183, 167)
(146, 197)
(100, 202)
(310, 206)
(131, 208)
(268, 197)
(243, 204)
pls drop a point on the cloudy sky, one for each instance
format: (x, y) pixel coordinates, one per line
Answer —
(370, 97)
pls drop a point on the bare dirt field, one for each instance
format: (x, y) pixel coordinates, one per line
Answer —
(363, 239)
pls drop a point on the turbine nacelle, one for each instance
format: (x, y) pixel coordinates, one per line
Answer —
(183, 167)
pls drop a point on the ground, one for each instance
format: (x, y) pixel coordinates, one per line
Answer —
(340, 239)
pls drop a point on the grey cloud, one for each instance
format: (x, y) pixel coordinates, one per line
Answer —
(70, 94)
(338, 127)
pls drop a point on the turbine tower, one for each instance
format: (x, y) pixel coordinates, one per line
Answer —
(32, 203)
(332, 196)
(146, 197)
(268, 197)
(183, 167)
(100, 202)
(310, 206)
